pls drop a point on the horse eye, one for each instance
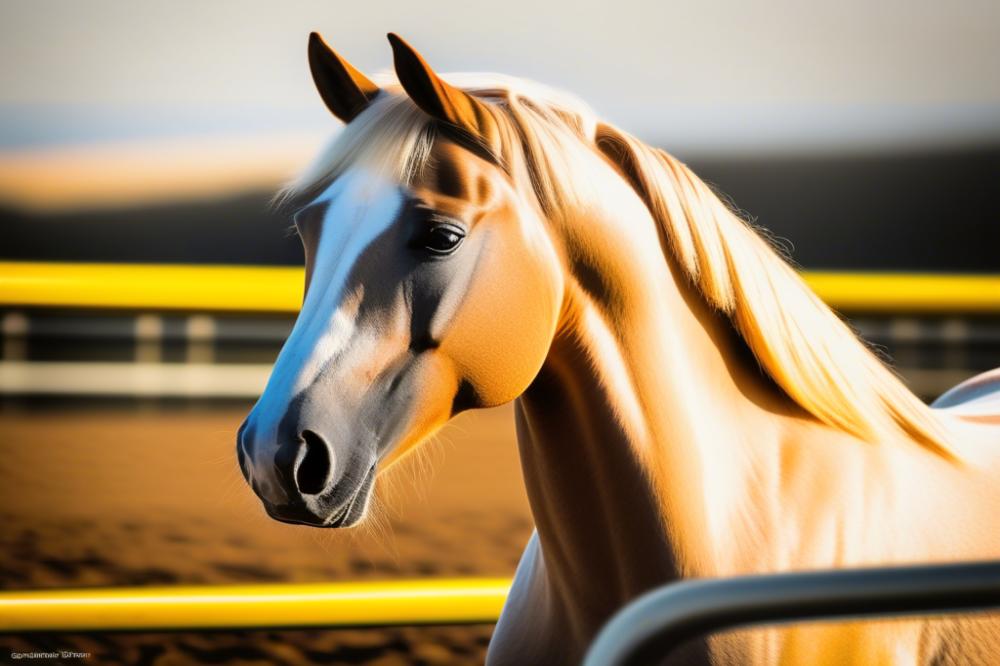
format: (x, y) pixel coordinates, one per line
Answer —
(441, 239)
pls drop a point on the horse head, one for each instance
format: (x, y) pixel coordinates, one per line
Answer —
(428, 292)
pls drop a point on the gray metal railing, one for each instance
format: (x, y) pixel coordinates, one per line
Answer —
(649, 628)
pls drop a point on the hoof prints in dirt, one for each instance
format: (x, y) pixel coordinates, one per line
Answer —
(58, 553)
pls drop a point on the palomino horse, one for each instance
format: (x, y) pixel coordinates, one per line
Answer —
(685, 405)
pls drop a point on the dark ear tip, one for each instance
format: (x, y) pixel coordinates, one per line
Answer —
(317, 44)
(399, 45)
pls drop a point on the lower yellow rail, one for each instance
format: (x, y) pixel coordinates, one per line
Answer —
(279, 289)
(447, 601)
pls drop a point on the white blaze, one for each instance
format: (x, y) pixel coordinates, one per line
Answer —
(361, 206)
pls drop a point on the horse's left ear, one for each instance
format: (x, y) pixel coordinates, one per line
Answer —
(345, 90)
(439, 98)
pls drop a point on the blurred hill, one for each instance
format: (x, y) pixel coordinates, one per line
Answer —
(934, 210)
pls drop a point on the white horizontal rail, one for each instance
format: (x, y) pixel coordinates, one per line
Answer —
(181, 380)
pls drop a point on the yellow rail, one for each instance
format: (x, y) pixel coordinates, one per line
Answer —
(907, 292)
(153, 287)
(448, 601)
(279, 289)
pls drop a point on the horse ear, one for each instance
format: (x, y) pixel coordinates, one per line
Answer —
(344, 89)
(438, 98)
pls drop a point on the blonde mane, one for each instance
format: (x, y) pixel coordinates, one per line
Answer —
(799, 342)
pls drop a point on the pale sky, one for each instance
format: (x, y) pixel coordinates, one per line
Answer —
(695, 76)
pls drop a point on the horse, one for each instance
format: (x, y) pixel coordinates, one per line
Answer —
(685, 405)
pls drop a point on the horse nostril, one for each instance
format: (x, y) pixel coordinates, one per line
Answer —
(312, 473)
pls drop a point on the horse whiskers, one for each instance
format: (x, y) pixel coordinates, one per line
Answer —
(378, 526)
(233, 484)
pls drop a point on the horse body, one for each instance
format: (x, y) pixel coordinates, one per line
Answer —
(773, 492)
(694, 464)
(685, 406)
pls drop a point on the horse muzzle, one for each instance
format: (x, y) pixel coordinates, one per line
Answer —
(302, 482)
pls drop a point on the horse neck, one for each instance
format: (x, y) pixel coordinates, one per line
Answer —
(645, 436)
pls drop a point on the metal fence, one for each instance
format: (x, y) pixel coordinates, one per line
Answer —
(273, 606)
(210, 331)
(198, 332)
(651, 627)
(279, 289)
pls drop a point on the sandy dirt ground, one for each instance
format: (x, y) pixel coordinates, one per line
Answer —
(123, 496)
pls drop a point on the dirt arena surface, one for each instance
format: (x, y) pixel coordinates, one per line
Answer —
(100, 496)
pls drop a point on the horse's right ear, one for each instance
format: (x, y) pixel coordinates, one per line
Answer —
(344, 89)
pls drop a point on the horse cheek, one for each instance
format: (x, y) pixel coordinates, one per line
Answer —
(502, 333)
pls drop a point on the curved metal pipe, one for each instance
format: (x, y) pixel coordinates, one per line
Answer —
(649, 628)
